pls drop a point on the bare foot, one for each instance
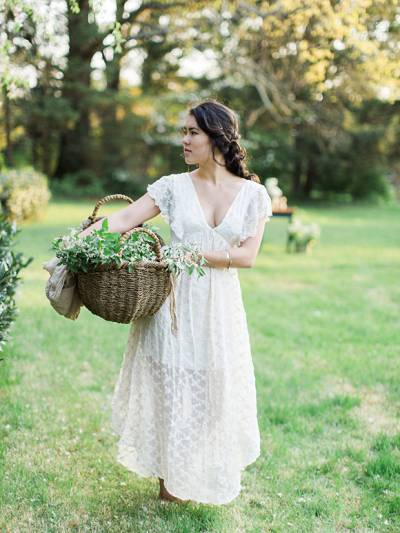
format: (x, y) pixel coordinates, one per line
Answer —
(167, 496)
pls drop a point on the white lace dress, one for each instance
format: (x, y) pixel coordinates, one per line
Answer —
(184, 407)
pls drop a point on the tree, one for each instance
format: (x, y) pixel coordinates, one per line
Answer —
(309, 63)
(129, 30)
(17, 26)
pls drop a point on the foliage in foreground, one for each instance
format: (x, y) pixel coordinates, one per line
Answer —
(11, 263)
(102, 247)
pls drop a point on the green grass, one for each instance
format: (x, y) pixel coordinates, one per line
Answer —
(325, 336)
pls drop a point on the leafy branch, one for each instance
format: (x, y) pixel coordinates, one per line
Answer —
(102, 247)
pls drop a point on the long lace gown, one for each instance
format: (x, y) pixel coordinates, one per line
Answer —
(184, 407)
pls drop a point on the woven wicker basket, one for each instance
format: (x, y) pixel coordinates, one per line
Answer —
(117, 295)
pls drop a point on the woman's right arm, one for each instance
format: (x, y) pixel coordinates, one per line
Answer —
(129, 217)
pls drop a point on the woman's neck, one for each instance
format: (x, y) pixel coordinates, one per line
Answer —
(211, 172)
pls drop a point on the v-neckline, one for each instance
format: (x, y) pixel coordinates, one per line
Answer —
(201, 209)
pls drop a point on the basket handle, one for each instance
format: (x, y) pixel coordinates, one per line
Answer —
(157, 243)
(93, 218)
(106, 199)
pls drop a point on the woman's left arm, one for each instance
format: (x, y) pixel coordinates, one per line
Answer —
(241, 257)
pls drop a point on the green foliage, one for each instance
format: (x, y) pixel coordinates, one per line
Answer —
(369, 182)
(356, 166)
(180, 256)
(329, 133)
(11, 264)
(101, 247)
(24, 193)
(84, 183)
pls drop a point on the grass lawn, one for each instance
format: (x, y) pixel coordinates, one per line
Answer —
(325, 332)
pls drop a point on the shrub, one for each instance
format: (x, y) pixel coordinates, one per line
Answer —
(82, 184)
(86, 184)
(10, 265)
(370, 182)
(24, 192)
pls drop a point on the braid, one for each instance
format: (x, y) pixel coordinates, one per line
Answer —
(221, 124)
(235, 161)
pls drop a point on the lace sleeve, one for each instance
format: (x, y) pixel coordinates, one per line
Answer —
(259, 207)
(161, 192)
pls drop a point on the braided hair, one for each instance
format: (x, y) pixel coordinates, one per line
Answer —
(220, 123)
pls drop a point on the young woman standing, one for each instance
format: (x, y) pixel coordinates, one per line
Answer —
(184, 407)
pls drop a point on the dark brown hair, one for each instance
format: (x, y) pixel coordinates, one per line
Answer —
(220, 123)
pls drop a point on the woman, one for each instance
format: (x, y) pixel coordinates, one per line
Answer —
(184, 406)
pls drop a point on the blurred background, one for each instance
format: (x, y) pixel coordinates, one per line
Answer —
(93, 92)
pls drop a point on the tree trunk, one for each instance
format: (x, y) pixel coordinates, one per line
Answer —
(310, 176)
(111, 140)
(298, 166)
(74, 148)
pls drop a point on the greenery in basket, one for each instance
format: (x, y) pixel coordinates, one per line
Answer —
(101, 247)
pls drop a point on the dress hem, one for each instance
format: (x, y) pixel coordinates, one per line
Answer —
(142, 472)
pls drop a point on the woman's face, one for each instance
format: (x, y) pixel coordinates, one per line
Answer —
(196, 143)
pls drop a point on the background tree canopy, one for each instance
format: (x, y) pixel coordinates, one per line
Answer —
(93, 92)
